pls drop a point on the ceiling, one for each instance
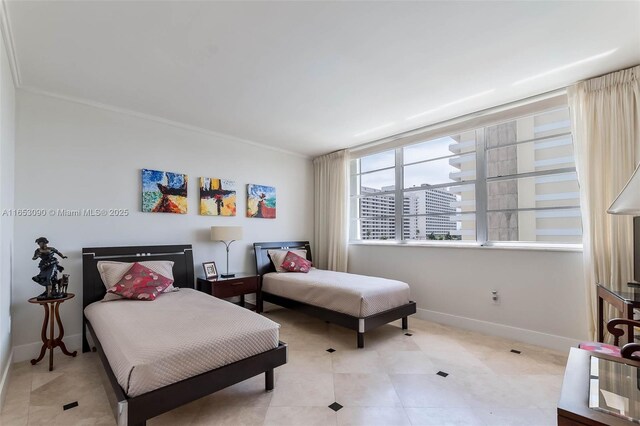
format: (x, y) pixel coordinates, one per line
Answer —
(313, 77)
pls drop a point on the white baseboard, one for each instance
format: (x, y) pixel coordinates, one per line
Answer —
(560, 343)
(31, 350)
(6, 375)
(551, 341)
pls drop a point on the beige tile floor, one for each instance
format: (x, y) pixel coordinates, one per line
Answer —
(392, 381)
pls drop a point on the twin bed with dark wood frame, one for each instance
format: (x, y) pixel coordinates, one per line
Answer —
(136, 410)
(359, 324)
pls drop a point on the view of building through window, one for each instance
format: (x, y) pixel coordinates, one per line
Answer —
(528, 186)
(439, 191)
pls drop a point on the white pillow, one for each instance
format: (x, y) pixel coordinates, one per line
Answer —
(112, 272)
(277, 257)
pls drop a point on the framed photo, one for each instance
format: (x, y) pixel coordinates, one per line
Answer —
(210, 270)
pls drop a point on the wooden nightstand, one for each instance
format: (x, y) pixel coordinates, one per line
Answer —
(225, 288)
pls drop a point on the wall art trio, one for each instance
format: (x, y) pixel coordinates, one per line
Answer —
(166, 192)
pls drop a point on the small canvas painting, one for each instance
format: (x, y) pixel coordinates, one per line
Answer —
(164, 192)
(261, 201)
(217, 197)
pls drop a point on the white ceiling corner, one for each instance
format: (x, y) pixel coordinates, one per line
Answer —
(311, 77)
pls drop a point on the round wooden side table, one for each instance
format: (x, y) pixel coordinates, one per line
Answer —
(51, 309)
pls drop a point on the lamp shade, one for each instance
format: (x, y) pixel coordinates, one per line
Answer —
(226, 233)
(628, 201)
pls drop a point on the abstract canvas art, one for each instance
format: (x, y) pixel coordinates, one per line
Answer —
(164, 192)
(217, 197)
(261, 201)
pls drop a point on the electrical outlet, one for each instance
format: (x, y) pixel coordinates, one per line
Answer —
(494, 297)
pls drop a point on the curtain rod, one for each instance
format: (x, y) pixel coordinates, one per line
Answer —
(460, 118)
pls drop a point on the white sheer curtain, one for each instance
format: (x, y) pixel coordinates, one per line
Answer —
(606, 122)
(331, 173)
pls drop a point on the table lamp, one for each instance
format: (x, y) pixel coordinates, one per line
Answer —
(227, 235)
(628, 203)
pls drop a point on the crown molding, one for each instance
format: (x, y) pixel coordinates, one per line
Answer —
(5, 27)
(157, 119)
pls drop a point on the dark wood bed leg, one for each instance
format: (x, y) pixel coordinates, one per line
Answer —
(360, 340)
(85, 342)
(268, 380)
(405, 323)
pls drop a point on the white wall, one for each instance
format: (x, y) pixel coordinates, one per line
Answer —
(72, 156)
(75, 156)
(7, 157)
(542, 296)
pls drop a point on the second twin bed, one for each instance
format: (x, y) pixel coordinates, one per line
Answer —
(358, 302)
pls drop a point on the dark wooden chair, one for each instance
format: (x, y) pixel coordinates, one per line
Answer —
(617, 327)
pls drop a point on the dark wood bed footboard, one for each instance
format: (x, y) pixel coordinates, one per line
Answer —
(137, 410)
(360, 325)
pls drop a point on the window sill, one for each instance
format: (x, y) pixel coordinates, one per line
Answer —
(474, 245)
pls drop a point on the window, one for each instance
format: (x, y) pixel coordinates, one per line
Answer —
(513, 181)
(372, 191)
(439, 188)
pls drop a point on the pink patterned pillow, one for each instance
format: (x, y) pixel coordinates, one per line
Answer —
(140, 283)
(603, 348)
(294, 263)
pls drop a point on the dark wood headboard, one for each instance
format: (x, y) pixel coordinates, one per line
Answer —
(263, 263)
(92, 287)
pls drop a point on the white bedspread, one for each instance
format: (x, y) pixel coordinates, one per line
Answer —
(356, 295)
(179, 335)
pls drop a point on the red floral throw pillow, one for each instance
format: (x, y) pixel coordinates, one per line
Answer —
(294, 263)
(140, 283)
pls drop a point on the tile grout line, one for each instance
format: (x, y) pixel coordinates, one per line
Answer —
(333, 381)
(29, 408)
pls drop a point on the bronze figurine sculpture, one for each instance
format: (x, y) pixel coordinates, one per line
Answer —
(49, 268)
